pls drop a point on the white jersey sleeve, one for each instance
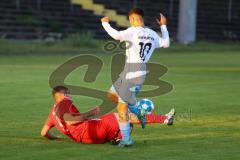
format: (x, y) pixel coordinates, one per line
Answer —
(163, 41)
(124, 35)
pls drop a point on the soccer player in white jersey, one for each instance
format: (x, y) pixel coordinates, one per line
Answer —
(143, 41)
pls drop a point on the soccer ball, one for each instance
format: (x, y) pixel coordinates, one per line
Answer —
(146, 104)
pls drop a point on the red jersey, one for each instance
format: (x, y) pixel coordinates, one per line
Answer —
(90, 131)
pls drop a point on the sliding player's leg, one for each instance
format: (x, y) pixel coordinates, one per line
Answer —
(170, 116)
(155, 118)
(150, 118)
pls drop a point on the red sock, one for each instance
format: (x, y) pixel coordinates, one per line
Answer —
(155, 118)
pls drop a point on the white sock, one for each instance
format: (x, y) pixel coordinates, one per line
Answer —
(125, 130)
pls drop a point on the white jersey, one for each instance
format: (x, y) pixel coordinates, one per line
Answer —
(143, 41)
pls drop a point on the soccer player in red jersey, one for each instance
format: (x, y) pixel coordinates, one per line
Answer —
(80, 127)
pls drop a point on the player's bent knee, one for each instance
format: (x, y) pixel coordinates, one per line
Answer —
(112, 96)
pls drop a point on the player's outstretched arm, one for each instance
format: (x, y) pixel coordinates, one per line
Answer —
(164, 41)
(45, 132)
(111, 31)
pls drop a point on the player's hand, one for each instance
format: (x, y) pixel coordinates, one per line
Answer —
(105, 19)
(53, 137)
(58, 137)
(95, 111)
(162, 20)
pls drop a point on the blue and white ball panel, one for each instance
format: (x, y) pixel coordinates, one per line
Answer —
(146, 104)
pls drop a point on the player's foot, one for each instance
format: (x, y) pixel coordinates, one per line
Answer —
(142, 117)
(115, 141)
(170, 116)
(128, 143)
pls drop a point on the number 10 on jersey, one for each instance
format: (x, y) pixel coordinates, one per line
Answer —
(144, 50)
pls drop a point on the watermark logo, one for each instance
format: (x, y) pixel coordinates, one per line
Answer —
(184, 115)
(119, 72)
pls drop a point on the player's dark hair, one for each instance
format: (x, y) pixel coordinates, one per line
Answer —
(137, 11)
(59, 89)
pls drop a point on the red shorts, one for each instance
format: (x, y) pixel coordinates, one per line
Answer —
(97, 130)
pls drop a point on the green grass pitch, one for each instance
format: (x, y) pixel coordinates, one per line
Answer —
(205, 82)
